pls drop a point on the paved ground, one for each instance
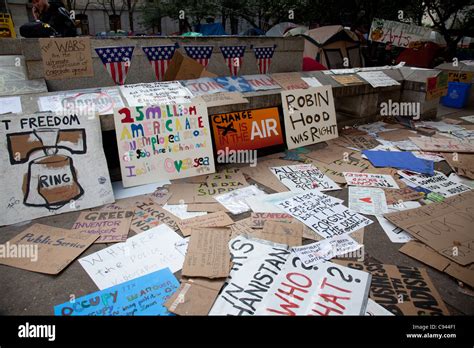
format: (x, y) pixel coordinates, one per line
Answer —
(29, 293)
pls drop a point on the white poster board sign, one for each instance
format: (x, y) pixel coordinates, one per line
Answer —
(163, 142)
(51, 164)
(302, 177)
(310, 116)
(155, 93)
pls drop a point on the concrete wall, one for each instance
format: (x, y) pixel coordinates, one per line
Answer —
(288, 57)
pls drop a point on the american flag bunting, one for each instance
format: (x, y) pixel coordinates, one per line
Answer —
(117, 61)
(233, 56)
(159, 57)
(264, 57)
(202, 54)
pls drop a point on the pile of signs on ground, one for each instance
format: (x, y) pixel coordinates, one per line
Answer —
(284, 237)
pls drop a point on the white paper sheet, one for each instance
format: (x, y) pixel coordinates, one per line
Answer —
(10, 104)
(370, 180)
(235, 201)
(394, 233)
(367, 200)
(378, 79)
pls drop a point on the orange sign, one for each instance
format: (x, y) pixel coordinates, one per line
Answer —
(247, 130)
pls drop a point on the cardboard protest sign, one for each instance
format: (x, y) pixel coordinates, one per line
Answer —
(204, 85)
(402, 195)
(397, 33)
(378, 79)
(367, 200)
(207, 254)
(394, 233)
(314, 253)
(221, 99)
(110, 226)
(247, 130)
(290, 81)
(442, 144)
(402, 290)
(437, 86)
(310, 116)
(425, 254)
(361, 141)
(45, 249)
(257, 220)
(142, 254)
(163, 142)
(325, 289)
(235, 201)
(370, 180)
(262, 82)
(335, 169)
(329, 154)
(194, 297)
(302, 177)
(218, 219)
(463, 164)
(140, 296)
(262, 175)
(65, 58)
(256, 265)
(445, 227)
(287, 233)
(438, 183)
(51, 164)
(347, 79)
(323, 214)
(149, 215)
(374, 309)
(234, 84)
(156, 93)
(83, 101)
(267, 203)
(460, 76)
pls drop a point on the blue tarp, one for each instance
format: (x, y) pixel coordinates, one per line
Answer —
(210, 29)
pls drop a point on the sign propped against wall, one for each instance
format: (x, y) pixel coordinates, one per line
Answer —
(65, 58)
(49, 165)
(399, 34)
(325, 289)
(247, 130)
(310, 116)
(163, 142)
(156, 93)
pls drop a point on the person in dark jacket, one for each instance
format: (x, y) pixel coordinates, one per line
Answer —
(52, 19)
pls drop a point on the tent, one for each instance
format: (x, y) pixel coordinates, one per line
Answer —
(280, 29)
(331, 44)
(421, 56)
(210, 29)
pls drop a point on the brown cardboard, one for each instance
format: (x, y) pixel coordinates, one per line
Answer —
(283, 233)
(462, 164)
(329, 154)
(218, 219)
(362, 142)
(397, 135)
(290, 81)
(347, 79)
(257, 220)
(149, 215)
(335, 169)
(182, 67)
(65, 58)
(207, 254)
(56, 248)
(262, 175)
(207, 207)
(394, 196)
(443, 145)
(111, 226)
(445, 227)
(160, 196)
(193, 298)
(430, 257)
(129, 203)
(402, 290)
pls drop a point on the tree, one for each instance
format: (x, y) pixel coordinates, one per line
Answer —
(453, 19)
(131, 4)
(114, 10)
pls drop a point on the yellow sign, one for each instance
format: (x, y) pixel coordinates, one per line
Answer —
(6, 26)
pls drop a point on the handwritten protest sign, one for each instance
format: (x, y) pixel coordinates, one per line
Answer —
(217, 219)
(51, 164)
(258, 220)
(367, 200)
(84, 102)
(163, 142)
(266, 203)
(323, 214)
(438, 183)
(256, 264)
(370, 180)
(45, 249)
(156, 93)
(326, 289)
(141, 296)
(262, 82)
(221, 99)
(149, 215)
(235, 201)
(65, 58)
(110, 226)
(247, 130)
(310, 116)
(314, 253)
(142, 254)
(347, 79)
(442, 144)
(393, 288)
(302, 177)
(445, 227)
(204, 85)
(207, 254)
(397, 33)
(378, 79)
(290, 81)
(405, 194)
